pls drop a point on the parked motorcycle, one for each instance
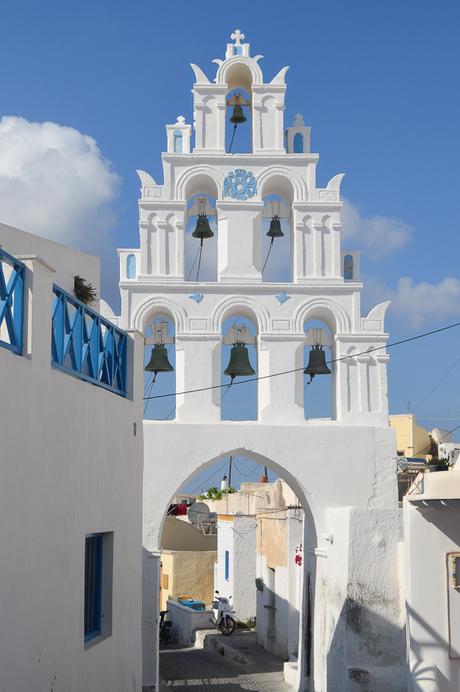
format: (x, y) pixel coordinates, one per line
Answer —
(165, 627)
(224, 615)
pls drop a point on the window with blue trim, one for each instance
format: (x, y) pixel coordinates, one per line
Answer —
(93, 586)
(227, 565)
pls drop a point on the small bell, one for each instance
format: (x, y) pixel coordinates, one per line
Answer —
(275, 228)
(239, 365)
(159, 360)
(202, 228)
(317, 363)
(237, 117)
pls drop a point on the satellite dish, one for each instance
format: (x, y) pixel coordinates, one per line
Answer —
(198, 512)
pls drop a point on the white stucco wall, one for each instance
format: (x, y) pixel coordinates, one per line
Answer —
(431, 533)
(71, 464)
(237, 534)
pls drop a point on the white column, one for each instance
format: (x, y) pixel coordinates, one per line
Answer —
(162, 239)
(280, 399)
(198, 367)
(239, 241)
(336, 233)
(146, 265)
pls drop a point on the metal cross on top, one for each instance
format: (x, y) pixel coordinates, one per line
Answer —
(237, 36)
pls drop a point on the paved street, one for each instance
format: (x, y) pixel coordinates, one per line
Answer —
(206, 670)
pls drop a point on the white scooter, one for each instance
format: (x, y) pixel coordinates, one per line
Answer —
(224, 615)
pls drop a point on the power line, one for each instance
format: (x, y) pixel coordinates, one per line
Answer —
(452, 367)
(202, 482)
(328, 362)
(426, 449)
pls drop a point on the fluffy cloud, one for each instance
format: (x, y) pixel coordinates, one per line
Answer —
(54, 182)
(378, 236)
(423, 303)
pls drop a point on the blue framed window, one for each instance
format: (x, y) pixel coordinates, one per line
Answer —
(298, 143)
(227, 565)
(93, 586)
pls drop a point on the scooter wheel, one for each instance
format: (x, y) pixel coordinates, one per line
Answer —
(227, 626)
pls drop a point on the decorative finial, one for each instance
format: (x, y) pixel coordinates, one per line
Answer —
(238, 36)
(298, 120)
(180, 119)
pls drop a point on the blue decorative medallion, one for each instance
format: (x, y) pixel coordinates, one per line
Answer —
(282, 298)
(197, 297)
(240, 184)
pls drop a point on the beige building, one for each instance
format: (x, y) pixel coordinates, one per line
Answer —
(412, 440)
(187, 562)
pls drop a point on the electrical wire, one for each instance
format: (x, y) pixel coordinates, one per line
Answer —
(199, 260)
(194, 261)
(426, 450)
(328, 362)
(457, 361)
(202, 482)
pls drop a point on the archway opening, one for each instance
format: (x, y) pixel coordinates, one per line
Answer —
(319, 401)
(200, 245)
(238, 120)
(238, 363)
(160, 352)
(278, 195)
(236, 526)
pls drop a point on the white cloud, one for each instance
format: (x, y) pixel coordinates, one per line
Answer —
(378, 236)
(423, 303)
(55, 182)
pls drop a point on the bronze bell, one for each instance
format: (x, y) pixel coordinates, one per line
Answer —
(202, 228)
(239, 365)
(159, 360)
(317, 363)
(275, 228)
(237, 117)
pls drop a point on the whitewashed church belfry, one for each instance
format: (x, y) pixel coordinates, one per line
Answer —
(340, 468)
(325, 281)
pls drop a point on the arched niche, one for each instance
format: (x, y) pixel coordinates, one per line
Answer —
(131, 271)
(277, 193)
(239, 139)
(298, 143)
(178, 142)
(348, 267)
(239, 398)
(319, 392)
(200, 183)
(163, 383)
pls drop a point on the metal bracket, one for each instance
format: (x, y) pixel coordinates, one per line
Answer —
(239, 335)
(159, 334)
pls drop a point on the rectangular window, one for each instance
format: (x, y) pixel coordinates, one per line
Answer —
(227, 565)
(98, 585)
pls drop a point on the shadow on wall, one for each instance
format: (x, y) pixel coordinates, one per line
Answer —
(427, 677)
(369, 648)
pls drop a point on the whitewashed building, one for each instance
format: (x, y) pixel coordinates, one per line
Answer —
(342, 468)
(70, 478)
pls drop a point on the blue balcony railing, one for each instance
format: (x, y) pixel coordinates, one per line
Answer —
(11, 302)
(86, 345)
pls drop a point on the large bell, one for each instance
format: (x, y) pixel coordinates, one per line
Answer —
(239, 365)
(159, 360)
(317, 363)
(202, 228)
(275, 228)
(237, 116)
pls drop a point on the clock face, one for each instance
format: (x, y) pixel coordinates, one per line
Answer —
(240, 184)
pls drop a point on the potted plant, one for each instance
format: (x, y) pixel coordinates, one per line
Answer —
(436, 464)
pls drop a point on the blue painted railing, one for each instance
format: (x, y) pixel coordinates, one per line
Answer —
(11, 302)
(86, 345)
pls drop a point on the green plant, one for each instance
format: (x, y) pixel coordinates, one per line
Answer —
(214, 493)
(84, 291)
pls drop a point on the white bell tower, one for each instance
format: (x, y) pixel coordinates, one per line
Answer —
(337, 464)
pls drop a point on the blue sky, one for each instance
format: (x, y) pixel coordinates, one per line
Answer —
(377, 81)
